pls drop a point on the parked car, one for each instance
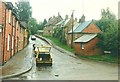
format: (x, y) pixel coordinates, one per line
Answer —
(33, 38)
(43, 56)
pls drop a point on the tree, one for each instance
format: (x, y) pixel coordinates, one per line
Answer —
(32, 26)
(41, 25)
(60, 35)
(24, 10)
(109, 26)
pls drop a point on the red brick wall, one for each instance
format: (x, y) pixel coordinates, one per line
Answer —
(92, 28)
(16, 36)
(8, 30)
(1, 48)
(0, 12)
(90, 48)
(14, 33)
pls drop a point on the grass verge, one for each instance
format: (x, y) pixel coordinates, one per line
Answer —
(105, 58)
(57, 42)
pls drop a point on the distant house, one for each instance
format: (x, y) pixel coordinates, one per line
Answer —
(24, 33)
(84, 37)
(40, 32)
(66, 24)
(48, 29)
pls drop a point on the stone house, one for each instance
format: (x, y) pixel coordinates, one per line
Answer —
(49, 26)
(66, 24)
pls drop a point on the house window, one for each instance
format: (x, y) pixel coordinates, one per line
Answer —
(20, 30)
(13, 21)
(9, 16)
(0, 28)
(82, 45)
(13, 31)
(12, 42)
(17, 25)
(8, 43)
(49, 31)
(75, 36)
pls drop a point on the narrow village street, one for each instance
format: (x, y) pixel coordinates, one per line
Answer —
(78, 40)
(66, 67)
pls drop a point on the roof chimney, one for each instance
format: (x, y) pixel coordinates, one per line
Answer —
(75, 19)
(66, 17)
(82, 19)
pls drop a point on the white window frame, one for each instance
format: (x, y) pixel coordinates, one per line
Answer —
(8, 42)
(0, 28)
(75, 36)
(13, 21)
(13, 31)
(9, 16)
(12, 42)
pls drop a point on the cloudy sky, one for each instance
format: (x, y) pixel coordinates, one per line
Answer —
(90, 8)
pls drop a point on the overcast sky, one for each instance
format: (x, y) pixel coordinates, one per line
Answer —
(42, 9)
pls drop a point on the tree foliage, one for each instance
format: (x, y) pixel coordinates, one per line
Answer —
(109, 26)
(32, 25)
(24, 10)
(41, 25)
(60, 35)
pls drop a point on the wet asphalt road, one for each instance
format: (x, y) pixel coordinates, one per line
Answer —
(66, 67)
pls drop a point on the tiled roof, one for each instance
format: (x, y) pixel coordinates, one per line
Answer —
(23, 23)
(74, 27)
(79, 28)
(66, 21)
(86, 38)
(59, 23)
(54, 20)
(63, 22)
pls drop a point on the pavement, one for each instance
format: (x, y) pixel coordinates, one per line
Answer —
(19, 64)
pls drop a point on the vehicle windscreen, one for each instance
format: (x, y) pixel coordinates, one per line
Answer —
(44, 56)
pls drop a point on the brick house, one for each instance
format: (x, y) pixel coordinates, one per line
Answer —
(23, 34)
(1, 46)
(1, 53)
(49, 26)
(11, 31)
(86, 45)
(82, 31)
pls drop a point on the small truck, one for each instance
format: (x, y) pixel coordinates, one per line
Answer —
(43, 55)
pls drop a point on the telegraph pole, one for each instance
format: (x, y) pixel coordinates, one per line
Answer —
(72, 16)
